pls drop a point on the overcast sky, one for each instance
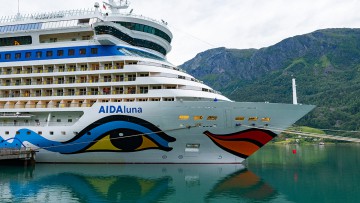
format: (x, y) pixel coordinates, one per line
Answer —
(198, 25)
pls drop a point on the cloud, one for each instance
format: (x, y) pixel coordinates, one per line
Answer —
(203, 24)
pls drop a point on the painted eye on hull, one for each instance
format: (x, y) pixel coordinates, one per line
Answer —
(120, 134)
(126, 140)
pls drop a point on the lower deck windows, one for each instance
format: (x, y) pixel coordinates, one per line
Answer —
(169, 99)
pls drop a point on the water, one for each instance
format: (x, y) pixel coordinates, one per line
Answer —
(275, 174)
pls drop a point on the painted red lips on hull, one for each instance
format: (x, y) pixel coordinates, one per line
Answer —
(244, 143)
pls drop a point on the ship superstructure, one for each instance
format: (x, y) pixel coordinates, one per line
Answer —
(95, 86)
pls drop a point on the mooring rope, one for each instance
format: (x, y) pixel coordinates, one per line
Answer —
(317, 135)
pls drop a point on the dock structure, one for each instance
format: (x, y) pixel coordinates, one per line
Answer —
(22, 156)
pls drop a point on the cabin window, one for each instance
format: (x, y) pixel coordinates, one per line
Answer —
(53, 39)
(119, 78)
(71, 52)
(94, 50)
(198, 118)
(131, 90)
(82, 51)
(7, 56)
(82, 91)
(49, 54)
(144, 90)
(38, 54)
(17, 55)
(119, 90)
(6, 132)
(40, 132)
(131, 77)
(60, 53)
(71, 79)
(70, 121)
(169, 99)
(63, 132)
(27, 55)
(266, 119)
(156, 87)
(51, 132)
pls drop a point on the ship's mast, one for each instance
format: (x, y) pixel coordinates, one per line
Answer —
(18, 13)
(114, 7)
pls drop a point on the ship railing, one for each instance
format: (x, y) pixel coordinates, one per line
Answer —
(162, 22)
(72, 13)
(34, 124)
(48, 15)
(158, 65)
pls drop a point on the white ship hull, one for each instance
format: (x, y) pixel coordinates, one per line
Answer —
(105, 135)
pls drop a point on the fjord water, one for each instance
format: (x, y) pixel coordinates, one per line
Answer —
(290, 173)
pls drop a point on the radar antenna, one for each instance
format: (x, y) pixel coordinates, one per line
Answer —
(18, 13)
(114, 7)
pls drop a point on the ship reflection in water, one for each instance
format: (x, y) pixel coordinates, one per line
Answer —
(132, 183)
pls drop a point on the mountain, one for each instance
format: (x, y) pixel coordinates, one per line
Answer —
(326, 64)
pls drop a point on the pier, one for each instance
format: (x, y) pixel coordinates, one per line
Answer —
(23, 156)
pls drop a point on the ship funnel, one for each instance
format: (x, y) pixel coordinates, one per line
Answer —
(294, 92)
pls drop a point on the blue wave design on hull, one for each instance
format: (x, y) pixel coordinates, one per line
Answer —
(90, 135)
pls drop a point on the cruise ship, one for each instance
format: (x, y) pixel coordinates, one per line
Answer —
(95, 86)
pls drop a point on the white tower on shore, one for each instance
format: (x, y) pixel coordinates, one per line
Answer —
(294, 92)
